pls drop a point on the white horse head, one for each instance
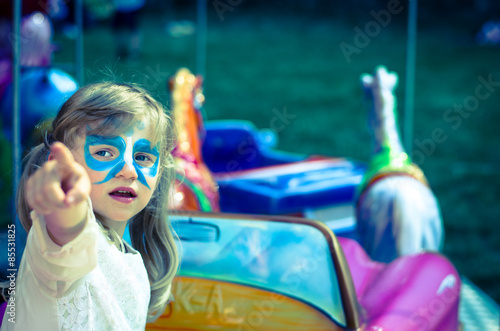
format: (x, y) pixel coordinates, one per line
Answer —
(397, 213)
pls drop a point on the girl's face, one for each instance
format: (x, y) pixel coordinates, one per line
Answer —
(123, 171)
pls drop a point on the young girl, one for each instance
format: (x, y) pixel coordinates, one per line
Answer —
(106, 164)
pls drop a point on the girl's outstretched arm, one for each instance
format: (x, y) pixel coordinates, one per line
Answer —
(59, 190)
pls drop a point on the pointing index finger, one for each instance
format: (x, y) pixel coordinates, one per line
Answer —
(61, 154)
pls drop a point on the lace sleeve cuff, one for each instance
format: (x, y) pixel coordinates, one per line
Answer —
(57, 267)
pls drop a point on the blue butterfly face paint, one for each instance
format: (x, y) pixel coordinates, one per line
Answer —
(137, 156)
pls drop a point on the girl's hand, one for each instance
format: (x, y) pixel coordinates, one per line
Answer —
(59, 184)
(59, 190)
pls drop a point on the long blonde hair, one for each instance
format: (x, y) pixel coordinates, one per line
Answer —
(107, 108)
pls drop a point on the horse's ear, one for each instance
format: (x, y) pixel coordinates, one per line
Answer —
(366, 80)
(386, 79)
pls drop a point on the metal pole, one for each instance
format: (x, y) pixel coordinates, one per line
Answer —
(201, 39)
(410, 75)
(20, 237)
(79, 42)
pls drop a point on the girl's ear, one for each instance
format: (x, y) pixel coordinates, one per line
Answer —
(50, 156)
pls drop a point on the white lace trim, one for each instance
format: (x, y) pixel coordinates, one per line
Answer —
(114, 296)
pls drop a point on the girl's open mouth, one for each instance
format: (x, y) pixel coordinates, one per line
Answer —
(123, 194)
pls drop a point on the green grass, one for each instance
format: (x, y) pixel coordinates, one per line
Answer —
(258, 61)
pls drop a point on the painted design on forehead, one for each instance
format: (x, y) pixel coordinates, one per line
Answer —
(125, 156)
(140, 125)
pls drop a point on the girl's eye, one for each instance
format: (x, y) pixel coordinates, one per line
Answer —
(144, 159)
(103, 153)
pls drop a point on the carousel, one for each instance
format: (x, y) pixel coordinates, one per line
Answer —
(271, 240)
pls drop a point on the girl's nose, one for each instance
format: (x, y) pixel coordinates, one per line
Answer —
(128, 171)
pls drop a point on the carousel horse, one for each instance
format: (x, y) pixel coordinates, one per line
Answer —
(396, 211)
(195, 188)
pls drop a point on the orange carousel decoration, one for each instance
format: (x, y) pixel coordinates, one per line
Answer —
(195, 188)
